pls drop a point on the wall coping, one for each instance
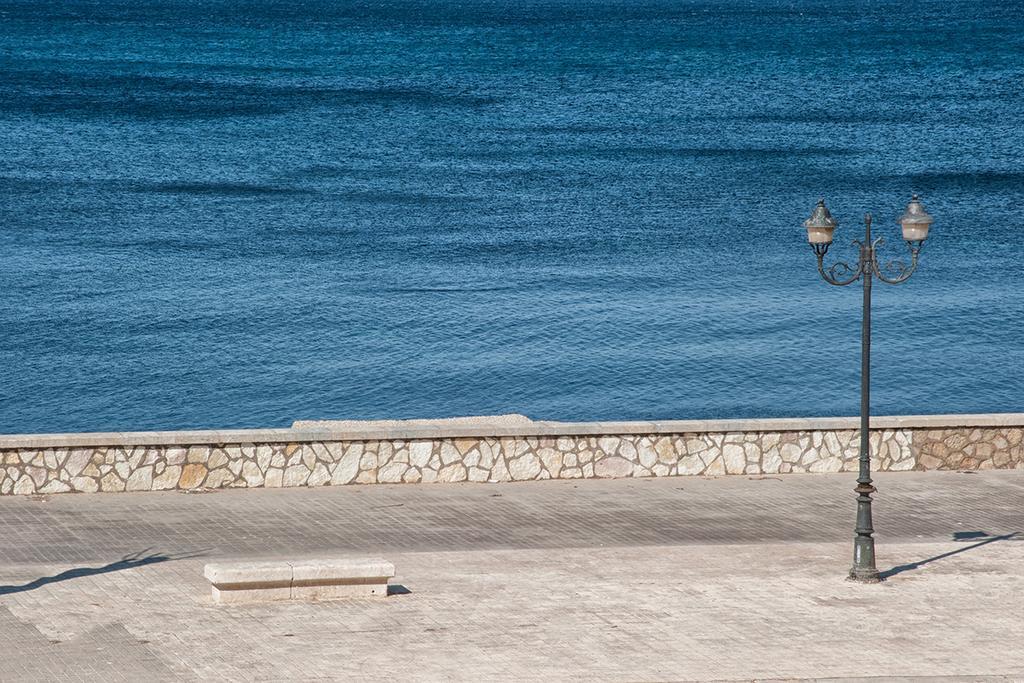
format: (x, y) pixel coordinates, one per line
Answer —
(490, 426)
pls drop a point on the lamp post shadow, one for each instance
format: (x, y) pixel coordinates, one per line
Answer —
(957, 536)
(139, 559)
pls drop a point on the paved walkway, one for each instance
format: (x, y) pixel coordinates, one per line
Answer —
(671, 579)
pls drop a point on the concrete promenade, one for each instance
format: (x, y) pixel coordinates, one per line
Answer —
(668, 579)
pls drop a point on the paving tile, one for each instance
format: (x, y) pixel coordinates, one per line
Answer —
(656, 580)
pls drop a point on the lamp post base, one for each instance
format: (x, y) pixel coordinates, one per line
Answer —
(864, 576)
(864, 570)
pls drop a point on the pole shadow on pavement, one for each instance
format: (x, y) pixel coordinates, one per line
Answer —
(957, 536)
(139, 559)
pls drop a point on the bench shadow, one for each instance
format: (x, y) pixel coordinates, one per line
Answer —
(957, 536)
(398, 589)
(139, 559)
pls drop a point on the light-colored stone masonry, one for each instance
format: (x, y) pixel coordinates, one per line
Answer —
(504, 448)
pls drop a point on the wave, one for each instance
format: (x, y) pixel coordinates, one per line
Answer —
(229, 189)
(832, 117)
(445, 290)
(94, 94)
(653, 152)
(973, 180)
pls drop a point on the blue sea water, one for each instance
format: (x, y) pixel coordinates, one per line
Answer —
(232, 214)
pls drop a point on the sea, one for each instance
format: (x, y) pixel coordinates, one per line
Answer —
(225, 214)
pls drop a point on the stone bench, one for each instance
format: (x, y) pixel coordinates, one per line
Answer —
(235, 582)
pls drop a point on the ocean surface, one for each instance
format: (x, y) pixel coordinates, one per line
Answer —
(239, 214)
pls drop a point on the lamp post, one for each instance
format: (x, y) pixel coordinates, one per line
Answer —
(915, 222)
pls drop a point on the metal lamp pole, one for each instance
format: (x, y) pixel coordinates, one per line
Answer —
(915, 222)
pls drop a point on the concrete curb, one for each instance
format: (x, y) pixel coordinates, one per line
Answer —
(498, 426)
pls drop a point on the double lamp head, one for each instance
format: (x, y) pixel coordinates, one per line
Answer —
(915, 222)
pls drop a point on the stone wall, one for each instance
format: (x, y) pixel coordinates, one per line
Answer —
(494, 450)
(969, 449)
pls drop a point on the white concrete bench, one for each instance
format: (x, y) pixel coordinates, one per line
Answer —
(235, 582)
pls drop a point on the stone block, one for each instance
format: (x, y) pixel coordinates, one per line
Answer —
(335, 591)
(346, 578)
(241, 582)
(613, 467)
(236, 596)
(246, 582)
